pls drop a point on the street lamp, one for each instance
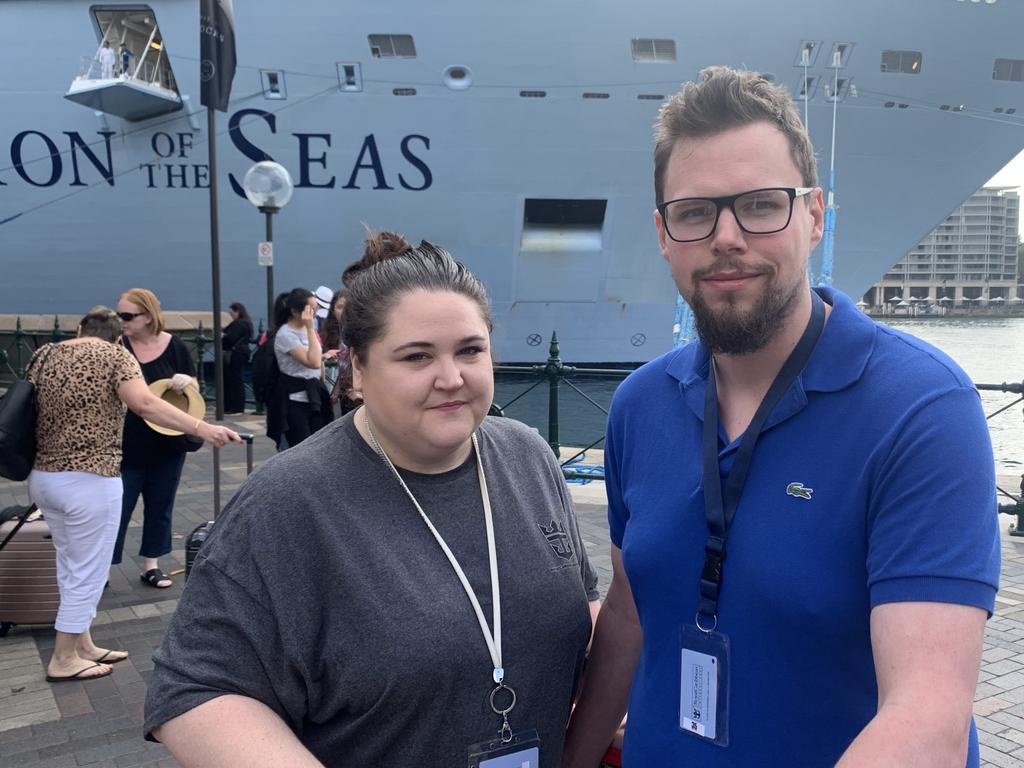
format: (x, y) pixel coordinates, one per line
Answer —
(268, 186)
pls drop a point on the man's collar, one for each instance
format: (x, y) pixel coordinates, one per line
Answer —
(838, 360)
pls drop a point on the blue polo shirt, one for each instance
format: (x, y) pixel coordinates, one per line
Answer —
(887, 435)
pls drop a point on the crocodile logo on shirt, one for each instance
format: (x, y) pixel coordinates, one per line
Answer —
(798, 490)
(558, 539)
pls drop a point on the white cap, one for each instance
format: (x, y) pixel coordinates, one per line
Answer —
(323, 296)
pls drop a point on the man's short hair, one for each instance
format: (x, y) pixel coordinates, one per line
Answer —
(723, 99)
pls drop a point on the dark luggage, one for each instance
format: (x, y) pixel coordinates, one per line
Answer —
(200, 533)
(28, 570)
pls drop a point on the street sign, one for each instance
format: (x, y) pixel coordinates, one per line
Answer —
(266, 254)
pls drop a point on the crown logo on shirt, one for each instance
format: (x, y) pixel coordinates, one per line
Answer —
(558, 539)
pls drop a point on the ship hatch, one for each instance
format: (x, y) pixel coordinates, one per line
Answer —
(129, 74)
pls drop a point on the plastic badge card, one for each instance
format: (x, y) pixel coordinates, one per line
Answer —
(523, 751)
(704, 685)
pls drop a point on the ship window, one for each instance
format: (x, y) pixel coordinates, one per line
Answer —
(596, 95)
(350, 76)
(650, 49)
(841, 89)
(902, 62)
(807, 53)
(273, 84)
(533, 94)
(576, 224)
(806, 86)
(1008, 69)
(403, 91)
(840, 55)
(392, 46)
(1011, 111)
(651, 96)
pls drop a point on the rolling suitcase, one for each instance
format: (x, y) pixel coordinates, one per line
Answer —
(200, 533)
(28, 570)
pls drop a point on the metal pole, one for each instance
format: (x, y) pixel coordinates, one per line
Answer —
(270, 268)
(218, 354)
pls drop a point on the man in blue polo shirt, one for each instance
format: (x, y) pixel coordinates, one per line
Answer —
(822, 599)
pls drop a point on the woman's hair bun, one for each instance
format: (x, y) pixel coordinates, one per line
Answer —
(379, 246)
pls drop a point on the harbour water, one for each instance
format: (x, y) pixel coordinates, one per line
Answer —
(989, 349)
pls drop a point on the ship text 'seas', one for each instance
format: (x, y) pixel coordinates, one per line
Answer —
(41, 160)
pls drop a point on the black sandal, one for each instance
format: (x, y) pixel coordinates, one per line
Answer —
(154, 576)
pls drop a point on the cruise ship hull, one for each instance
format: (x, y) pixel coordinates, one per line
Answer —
(557, 109)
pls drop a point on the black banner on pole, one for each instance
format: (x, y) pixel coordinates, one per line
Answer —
(216, 52)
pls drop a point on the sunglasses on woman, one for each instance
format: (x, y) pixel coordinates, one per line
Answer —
(128, 316)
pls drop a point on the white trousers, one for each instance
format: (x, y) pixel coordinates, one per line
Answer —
(83, 511)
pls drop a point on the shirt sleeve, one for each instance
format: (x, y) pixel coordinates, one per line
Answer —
(225, 639)
(933, 523)
(126, 367)
(285, 342)
(618, 513)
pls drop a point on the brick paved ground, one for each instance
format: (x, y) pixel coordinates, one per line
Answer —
(99, 723)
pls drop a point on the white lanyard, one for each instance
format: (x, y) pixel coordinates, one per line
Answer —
(493, 641)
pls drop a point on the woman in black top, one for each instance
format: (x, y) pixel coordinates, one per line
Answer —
(151, 463)
(235, 343)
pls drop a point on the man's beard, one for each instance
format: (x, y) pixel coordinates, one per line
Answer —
(733, 331)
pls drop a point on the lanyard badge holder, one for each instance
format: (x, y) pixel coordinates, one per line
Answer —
(704, 651)
(508, 749)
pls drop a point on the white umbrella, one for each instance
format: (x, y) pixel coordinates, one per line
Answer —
(1018, 300)
(862, 304)
(895, 298)
(996, 300)
(946, 298)
(902, 304)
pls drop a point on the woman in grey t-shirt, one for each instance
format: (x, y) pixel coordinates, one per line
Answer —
(297, 408)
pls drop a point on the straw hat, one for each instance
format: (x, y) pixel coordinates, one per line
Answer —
(188, 400)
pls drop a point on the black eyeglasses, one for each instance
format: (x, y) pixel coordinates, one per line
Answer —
(758, 212)
(129, 316)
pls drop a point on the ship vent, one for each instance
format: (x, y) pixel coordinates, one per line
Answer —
(902, 62)
(273, 84)
(350, 76)
(1008, 69)
(392, 46)
(651, 49)
(558, 224)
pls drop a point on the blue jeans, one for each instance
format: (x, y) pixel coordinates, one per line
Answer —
(158, 485)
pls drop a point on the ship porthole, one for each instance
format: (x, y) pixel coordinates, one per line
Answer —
(458, 78)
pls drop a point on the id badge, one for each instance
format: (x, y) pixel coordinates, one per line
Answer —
(704, 685)
(523, 751)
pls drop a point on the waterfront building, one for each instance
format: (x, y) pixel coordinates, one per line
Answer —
(970, 259)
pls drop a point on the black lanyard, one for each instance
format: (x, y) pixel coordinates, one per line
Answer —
(720, 507)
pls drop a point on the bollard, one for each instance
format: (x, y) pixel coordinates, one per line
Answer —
(553, 371)
(1017, 508)
(56, 334)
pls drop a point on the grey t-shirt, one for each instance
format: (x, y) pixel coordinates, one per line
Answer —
(323, 595)
(285, 340)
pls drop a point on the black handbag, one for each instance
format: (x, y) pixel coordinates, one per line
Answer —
(18, 412)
